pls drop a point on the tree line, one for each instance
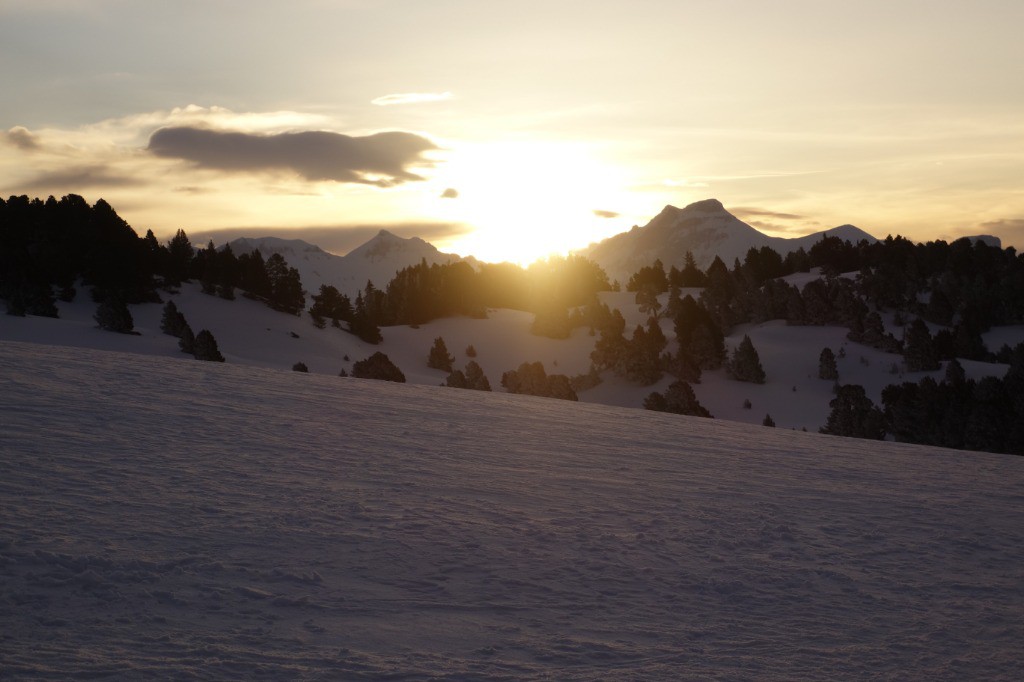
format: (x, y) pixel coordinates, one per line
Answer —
(50, 246)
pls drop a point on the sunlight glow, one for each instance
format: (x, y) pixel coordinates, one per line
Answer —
(529, 199)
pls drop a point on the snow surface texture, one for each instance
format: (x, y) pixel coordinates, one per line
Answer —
(172, 519)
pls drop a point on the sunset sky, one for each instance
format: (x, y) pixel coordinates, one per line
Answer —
(511, 130)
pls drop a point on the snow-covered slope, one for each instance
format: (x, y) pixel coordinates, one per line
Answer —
(703, 228)
(377, 260)
(249, 333)
(172, 519)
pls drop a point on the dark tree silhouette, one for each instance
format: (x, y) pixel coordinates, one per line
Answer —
(854, 414)
(173, 321)
(206, 347)
(827, 368)
(439, 358)
(475, 377)
(531, 379)
(678, 398)
(187, 340)
(919, 348)
(745, 365)
(113, 315)
(378, 366)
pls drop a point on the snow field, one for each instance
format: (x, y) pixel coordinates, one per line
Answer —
(170, 519)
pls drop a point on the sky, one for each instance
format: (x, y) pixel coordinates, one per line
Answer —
(514, 130)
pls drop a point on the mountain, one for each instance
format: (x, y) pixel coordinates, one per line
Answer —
(704, 228)
(189, 520)
(377, 260)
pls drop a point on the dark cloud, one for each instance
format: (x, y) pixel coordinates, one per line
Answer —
(379, 159)
(1009, 230)
(760, 212)
(73, 179)
(450, 193)
(605, 214)
(338, 240)
(22, 138)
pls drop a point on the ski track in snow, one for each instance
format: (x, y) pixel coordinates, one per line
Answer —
(170, 519)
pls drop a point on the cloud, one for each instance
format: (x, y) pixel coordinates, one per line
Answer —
(762, 213)
(74, 179)
(605, 214)
(338, 239)
(22, 138)
(378, 159)
(450, 193)
(410, 98)
(1009, 230)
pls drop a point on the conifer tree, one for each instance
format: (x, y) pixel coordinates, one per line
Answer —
(456, 379)
(745, 365)
(378, 366)
(206, 347)
(179, 255)
(678, 398)
(285, 286)
(172, 322)
(439, 358)
(113, 315)
(955, 373)
(647, 300)
(919, 348)
(655, 402)
(827, 365)
(768, 421)
(475, 377)
(854, 414)
(691, 276)
(187, 340)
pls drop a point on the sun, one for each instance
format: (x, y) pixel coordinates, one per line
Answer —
(526, 200)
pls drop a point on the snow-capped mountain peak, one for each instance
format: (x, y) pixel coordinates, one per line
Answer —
(377, 260)
(386, 245)
(705, 229)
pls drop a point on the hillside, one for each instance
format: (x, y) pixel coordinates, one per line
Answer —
(705, 229)
(175, 519)
(249, 333)
(931, 332)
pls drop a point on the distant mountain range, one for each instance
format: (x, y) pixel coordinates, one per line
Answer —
(703, 228)
(377, 260)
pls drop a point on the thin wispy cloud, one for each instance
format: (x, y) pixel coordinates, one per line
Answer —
(410, 98)
(450, 193)
(381, 159)
(605, 214)
(744, 212)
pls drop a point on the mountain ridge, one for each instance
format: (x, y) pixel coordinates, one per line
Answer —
(704, 228)
(376, 260)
